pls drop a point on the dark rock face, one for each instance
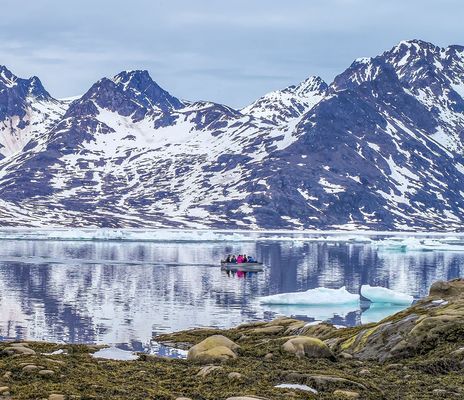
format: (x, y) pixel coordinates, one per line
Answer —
(381, 147)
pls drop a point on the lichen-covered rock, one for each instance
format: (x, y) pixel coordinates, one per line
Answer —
(307, 346)
(18, 348)
(415, 330)
(269, 330)
(446, 289)
(321, 331)
(212, 349)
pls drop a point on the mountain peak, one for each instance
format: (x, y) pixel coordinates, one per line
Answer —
(289, 103)
(141, 83)
(137, 77)
(308, 87)
(7, 77)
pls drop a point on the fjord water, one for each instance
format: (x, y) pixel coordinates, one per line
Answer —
(126, 291)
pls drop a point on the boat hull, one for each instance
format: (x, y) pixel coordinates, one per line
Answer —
(242, 266)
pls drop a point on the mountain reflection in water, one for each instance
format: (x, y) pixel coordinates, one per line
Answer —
(123, 293)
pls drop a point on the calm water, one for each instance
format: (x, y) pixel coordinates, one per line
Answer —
(123, 293)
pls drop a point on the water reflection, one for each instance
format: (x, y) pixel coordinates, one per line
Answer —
(125, 292)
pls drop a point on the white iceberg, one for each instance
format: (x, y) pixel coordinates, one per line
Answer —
(379, 294)
(296, 386)
(113, 353)
(316, 297)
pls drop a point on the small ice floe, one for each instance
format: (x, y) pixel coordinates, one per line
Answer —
(378, 294)
(317, 296)
(56, 352)
(296, 386)
(439, 302)
(113, 353)
(313, 323)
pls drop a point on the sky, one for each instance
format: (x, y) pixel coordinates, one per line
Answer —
(230, 51)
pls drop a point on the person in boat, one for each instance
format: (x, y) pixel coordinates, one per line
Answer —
(239, 259)
(251, 259)
(233, 259)
(229, 259)
(245, 258)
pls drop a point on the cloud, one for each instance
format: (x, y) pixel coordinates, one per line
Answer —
(230, 52)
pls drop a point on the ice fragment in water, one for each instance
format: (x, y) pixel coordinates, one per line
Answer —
(378, 294)
(317, 296)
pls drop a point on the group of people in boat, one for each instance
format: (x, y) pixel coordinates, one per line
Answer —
(242, 258)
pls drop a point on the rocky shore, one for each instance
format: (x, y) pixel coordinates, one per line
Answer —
(415, 354)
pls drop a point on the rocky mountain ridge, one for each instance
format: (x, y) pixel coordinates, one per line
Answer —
(380, 148)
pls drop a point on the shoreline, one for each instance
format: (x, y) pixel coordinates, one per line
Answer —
(417, 353)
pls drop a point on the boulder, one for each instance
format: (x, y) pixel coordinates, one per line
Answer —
(446, 289)
(56, 397)
(7, 375)
(30, 368)
(270, 330)
(246, 398)
(4, 389)
(307, 346)
(235, 376)
(205, 371)
(345, 394)
(212, 349)
(324, 382)
(46, 372)
(17, 348)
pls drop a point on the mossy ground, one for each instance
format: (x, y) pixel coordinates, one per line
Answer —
(84, 377)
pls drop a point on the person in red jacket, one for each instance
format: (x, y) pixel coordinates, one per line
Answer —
(239, 259)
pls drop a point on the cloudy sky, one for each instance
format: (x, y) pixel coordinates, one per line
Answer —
(228, 51)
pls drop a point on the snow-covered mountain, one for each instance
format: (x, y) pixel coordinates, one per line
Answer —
(27, 111)
(290, 103)
(381, 147)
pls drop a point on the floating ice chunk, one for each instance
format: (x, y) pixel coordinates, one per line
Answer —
(56, 352)
(313, 323)
(296, 386)
(317, 296)
(378, 311)
(421, 244)
(439, 302)
(113, 353)
(378, 294)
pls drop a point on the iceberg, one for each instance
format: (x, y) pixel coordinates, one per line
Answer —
(113, 353)
(379, 294)
(317, 296)
(296, 386)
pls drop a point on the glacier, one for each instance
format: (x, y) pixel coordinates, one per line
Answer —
(378, 294)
